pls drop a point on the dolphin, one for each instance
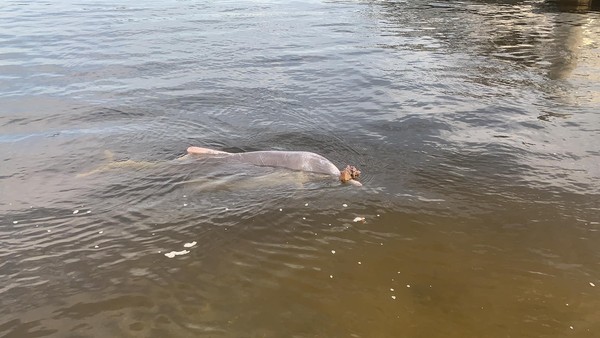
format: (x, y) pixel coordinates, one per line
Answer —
(300, 161)
(294, 160)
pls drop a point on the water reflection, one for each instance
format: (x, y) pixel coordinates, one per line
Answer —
(526, 62)
(580, 6)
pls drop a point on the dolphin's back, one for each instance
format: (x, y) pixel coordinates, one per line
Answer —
(295, 160)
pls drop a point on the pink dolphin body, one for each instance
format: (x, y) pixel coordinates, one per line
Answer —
(295, 160)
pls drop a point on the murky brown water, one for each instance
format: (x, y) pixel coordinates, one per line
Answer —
(475, 124)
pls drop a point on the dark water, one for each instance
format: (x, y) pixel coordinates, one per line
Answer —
(475, 125)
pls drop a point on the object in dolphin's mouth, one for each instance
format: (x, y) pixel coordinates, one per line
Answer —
(295, 160)
(349, 173)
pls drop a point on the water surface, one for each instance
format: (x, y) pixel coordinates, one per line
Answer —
(475, 125)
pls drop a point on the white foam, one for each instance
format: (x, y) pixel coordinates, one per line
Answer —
(176, 253)
(190, 244)
(359, 219)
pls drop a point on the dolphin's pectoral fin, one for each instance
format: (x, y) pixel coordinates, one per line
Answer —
(302, 178)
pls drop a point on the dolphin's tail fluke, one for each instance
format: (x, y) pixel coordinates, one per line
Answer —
(110, 157)
(112, 164)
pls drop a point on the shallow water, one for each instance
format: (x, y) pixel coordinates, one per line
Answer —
(475, 125)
